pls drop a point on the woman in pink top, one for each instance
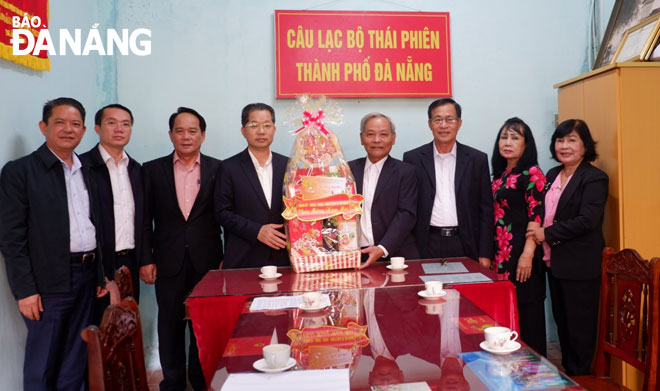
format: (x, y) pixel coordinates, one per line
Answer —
(518, 188)
(573, 239)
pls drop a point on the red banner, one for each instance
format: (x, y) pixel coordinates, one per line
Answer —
(31, 15)
(352, 54)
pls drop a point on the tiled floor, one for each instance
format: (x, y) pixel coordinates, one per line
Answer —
(154, 378)
(554, 355)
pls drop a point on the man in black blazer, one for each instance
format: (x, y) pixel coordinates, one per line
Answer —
(249, 196)
(390, 190)
(455, 202)
(118, 187)
(181, 240)
(49, 239)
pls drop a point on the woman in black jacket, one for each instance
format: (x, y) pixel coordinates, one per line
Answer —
(573, 241)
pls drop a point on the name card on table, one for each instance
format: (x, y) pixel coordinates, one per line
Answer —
(333, 380)
(462, 278)
(283, 302)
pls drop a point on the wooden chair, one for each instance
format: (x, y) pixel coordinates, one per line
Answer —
(115, 352)
(629, 319)
(124, 281)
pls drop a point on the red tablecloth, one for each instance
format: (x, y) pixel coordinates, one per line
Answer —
(214, 317)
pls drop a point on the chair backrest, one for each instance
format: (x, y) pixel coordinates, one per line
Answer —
(124, 281)
(628, 327)
(115, 352)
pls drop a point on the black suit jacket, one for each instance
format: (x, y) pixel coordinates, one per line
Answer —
(167, 234)
(394, 206)
(242, 210)
(34, 228)
(103, 193)
(576, 234)
(474, 198)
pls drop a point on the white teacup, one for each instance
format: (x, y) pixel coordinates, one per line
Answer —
(398, 277)
(433, 288)
(397, 262)
(434, 308)
(497, 337)
(269, 287)
(312, 299)
(269, 271)
(277, 355)
(499, 369)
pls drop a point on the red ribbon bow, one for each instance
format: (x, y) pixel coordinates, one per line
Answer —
(313, 120)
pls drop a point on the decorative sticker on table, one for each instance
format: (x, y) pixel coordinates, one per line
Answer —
(353, 335)
(475, 324)
(246, 346)
(521, 370)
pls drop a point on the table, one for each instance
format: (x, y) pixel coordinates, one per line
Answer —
(217, 301)
(390, 336)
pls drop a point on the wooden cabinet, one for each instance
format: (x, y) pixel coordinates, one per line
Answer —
(621, 105)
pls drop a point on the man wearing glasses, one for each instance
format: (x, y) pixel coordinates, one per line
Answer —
(249, 197)
(455, 203)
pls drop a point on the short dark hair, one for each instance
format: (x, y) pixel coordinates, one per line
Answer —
(529, 157)
(181, 110)
(370, 116)
(62, 101)
(98, 117)
(442, 102)
(582, 130)
(245, 113)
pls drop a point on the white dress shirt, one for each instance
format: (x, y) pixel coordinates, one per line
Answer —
(265, 175)
(370, 180)
(444, 204)
(376, 341)
(82, 233)
(123, 203)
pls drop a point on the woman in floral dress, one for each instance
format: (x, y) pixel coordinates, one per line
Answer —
(518, 188)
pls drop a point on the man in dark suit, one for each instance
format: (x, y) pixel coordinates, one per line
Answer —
(455, 202)
(249, 196)
(181, 240)
(118, 187)
(390, 190)
(49, 242)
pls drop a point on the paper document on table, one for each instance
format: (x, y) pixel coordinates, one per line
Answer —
(441, 268)
(282, 302)
(308, 380)
(462, 278)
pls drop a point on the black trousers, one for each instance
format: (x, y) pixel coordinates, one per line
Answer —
(55, 354)
(531, 316)
(170, 295)
(442, 246)
(575, 308)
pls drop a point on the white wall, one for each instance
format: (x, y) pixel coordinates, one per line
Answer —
(217, 56)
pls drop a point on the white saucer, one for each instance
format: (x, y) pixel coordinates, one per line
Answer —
(509, 347)
(396, 268)
(313, 308)
(274, 276)
(260, 365)
(426, 295)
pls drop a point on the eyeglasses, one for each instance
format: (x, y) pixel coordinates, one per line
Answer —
(265, 126)
(448, 120)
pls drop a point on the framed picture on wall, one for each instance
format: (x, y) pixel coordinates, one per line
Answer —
(638, 41)
(625, 14)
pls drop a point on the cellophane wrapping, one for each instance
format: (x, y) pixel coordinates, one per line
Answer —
(319, 192)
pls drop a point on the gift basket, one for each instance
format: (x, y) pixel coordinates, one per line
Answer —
(319, 192)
